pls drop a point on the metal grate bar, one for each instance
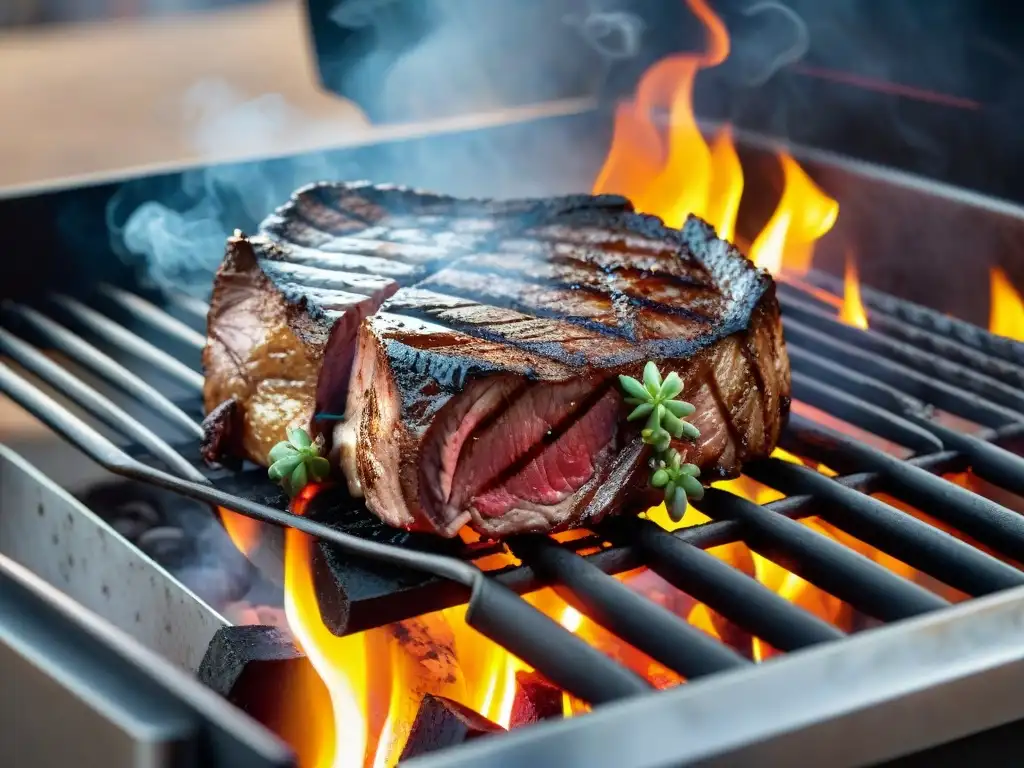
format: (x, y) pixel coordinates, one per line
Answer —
(916, 315)
(890, 530)
(863, 583)
(989, 462)
(642, 623)
(197, 308)
(920, 383)
(493, 610)
(744, 601)
(88, 356)
(124, 339)
(149, 313)
(825, 371)
(863, 414)
(799, 304)
(935, 365)
(988, 522)
(92, 401)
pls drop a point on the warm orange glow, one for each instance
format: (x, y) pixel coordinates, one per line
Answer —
(673, 173)
(375, 680)
(243, 531)
(852, 312)
(1006, 308)
(678, 174)
(804, 214)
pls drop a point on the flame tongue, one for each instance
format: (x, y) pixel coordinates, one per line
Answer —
(852, 311)
(1006, 311)
(677, 174)
(803, 215)
(680, 175)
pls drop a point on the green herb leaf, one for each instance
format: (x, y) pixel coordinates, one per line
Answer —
(672, 423)
(671, 386)
(679, 408)
(282, 451)
(642, 410)
(654, 400)
(692, 487)
(654, 420)
(677, 506)
(634, 388)
(299, 478)
(299, 438)
(652, 378)
(281, 468)
(297, 461)
(319, 468)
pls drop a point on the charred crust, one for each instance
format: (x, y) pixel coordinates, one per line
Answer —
(221, 443)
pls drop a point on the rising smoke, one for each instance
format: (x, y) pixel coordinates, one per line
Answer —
(430, 60)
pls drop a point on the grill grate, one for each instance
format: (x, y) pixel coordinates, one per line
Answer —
(886, 381)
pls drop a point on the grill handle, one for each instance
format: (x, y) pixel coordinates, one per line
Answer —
(500, 614)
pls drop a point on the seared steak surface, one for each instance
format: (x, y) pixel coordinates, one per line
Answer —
(484, 390)
(286, 303)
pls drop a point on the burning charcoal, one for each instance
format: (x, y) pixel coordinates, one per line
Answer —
(130, 508)
(133, 518)
(245, 664)
(165, 544)
(443, 723)
(536, 699)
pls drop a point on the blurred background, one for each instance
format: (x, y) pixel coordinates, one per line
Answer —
(93, 86)
(28, 12)
(97, 86)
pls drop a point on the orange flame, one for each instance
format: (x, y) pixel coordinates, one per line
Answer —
(1006, 309)
(804, 214)
(243, 531)
(375, 680)
(675, 175)
(852, 311)
(682, 175)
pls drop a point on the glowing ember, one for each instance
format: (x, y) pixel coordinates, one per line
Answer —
(1006, 310)
(852, 312)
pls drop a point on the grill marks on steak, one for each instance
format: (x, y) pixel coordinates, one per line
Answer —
(486, 393)
(484, 390)
(279, 344)
(286, 303)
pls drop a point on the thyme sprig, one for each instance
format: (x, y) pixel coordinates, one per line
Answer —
(655, 400)
(297, 461)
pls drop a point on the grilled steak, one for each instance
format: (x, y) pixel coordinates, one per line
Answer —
(484, 340)
(486, 394)
(279, 344)
(286, 303)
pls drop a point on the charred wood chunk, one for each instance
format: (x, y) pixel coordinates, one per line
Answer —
(444, 723)
(536, 699)
(246, 664)
(221, 441)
